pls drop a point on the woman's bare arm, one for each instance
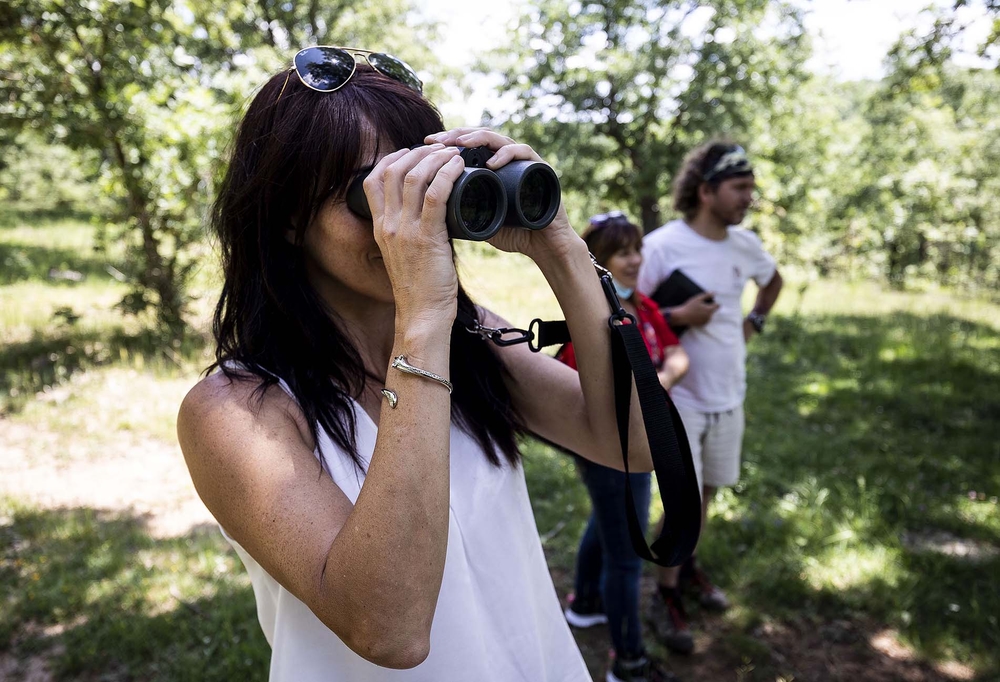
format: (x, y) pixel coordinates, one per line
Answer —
(370, 572)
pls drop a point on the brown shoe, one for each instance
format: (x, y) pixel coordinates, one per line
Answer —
(669, 621)
(709, 596)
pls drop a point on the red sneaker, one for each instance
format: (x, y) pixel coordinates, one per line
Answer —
(670, 622)
(709, 596)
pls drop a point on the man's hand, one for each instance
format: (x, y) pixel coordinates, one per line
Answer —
(696, 312)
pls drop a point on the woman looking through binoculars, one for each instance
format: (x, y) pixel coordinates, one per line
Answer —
(357, 445)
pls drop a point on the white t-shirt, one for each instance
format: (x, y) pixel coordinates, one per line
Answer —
(716, 379)
(498, 618)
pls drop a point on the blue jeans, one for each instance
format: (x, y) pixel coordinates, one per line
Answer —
(606, 564)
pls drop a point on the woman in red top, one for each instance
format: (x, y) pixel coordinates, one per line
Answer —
(607, 568)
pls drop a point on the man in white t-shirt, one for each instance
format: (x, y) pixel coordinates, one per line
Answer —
(713, 191)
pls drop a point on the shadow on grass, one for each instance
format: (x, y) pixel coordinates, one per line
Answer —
(28, 262)
(860, 431)
(14, 217)
(48, 359)
(99, 598)
(44, 257)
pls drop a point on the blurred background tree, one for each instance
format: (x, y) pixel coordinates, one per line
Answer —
(919, 197)
(619, 91)
(889, 179)
(122, 109)
(151, 90)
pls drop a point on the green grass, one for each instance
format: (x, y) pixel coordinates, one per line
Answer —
(52, 328)
(871, 415)
(873, 431)
(862, 428)
(122, 604)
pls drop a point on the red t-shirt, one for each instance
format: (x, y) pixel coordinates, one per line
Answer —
(655, 332)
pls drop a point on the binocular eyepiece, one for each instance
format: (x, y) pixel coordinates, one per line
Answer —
(522, 194)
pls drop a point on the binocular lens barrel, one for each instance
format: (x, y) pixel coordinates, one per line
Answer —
(477, 205)
(523, 194)
(533, 194)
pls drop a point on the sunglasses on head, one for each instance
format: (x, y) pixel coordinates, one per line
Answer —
(326, 68)
(611, 218)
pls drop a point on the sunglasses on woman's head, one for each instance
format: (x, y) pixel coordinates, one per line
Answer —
(326, 68)
(612, 218)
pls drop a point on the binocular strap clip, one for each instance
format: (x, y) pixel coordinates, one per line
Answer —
(500, 336)
(540, 334)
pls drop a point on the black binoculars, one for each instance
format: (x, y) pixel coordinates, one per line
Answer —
(522, 194)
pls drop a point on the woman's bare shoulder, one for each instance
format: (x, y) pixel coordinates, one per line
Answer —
(238, 403)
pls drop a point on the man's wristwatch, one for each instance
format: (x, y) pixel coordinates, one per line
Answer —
(757, 320)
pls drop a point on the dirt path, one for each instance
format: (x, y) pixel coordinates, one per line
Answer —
(147, 477)
(140, 474)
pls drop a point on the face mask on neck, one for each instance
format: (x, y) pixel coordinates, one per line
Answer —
(623, 292)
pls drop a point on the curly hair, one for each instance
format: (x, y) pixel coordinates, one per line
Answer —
(692, 174)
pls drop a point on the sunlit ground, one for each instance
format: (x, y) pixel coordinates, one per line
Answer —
(867, 516)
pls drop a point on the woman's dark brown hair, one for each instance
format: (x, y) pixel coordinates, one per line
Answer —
(296, 149)
(692, 174)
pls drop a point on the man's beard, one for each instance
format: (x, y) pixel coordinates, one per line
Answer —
(733, 217)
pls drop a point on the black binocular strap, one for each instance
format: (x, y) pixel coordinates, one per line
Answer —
(668, 443)
(668, 446)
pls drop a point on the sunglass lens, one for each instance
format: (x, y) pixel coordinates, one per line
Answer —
(396, 69)
(324, 68)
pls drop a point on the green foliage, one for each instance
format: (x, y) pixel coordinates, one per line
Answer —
(153, 88)
(38, 178)
(892, 179)
(125, 603)
(917, 197)
(616, 93)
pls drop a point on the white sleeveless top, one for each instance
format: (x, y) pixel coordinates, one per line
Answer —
(498, 618)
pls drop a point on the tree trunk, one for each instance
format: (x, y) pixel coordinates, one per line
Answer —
(649, 209)
(156, 275)
(314, 20)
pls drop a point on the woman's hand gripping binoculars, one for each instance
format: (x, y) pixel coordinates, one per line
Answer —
(522, 193)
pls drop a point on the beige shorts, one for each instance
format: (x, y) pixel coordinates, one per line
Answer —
(716, 443)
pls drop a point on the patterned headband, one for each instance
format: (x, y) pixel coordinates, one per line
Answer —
(733, 162)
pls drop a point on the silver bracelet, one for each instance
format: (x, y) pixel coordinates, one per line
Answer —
(399, 362)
